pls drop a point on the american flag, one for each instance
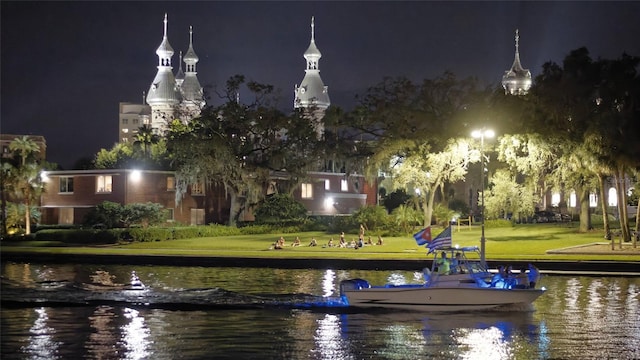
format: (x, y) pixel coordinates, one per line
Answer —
(442, 240)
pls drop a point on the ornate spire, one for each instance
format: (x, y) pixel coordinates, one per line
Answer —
(517, 80)
(163, 94)
(312, 93)
(180, 73)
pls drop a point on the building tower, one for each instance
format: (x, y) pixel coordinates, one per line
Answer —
(163, 95)
(312, 94)
(192, 94)
(516, 81)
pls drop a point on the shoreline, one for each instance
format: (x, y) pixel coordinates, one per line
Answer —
(586, 267)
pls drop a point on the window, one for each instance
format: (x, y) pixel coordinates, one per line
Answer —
(136, 121)
(197, 188)
(125, 121)
(171, 183)
(327, 184)
(197, 216)
(169, 214)
(344, 185)
(104, 184)
(66, 184)
(307, 191)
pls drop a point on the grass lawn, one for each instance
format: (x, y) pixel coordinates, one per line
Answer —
(522, 242)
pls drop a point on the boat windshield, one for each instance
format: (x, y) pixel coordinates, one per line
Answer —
(458, 261)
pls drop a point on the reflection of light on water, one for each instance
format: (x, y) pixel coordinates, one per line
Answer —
(483, 344)
(135, 335)
(401, 342)
(330, 344)
(328, 282)
(41, 343)
(396, 279)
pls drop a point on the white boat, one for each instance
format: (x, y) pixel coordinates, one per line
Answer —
(469, 285)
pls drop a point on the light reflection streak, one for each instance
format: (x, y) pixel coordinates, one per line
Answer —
(41, 343)
(135, 335)
(484, 344)
(328, 339)
(328, 283)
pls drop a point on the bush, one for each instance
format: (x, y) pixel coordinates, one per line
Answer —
(278, 208)
(110, 215)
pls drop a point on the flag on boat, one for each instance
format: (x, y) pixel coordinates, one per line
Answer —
(423, 236)
(442, 240)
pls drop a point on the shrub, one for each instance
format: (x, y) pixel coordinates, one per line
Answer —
(279, 207)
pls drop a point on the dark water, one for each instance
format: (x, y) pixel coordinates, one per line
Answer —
(71, 312)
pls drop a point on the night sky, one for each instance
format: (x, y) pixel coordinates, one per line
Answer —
(65, 66)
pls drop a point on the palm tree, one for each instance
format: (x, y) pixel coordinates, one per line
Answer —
(144, 139)
(26, 180)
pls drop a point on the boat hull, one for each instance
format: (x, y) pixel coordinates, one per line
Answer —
(439, 298)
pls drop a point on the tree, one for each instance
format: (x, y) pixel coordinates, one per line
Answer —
(144, 138)
(590, 108)
(424, 172)
(26, 182)
(238, 146)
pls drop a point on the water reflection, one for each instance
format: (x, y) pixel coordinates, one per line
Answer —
(109, 321)
(41, 344)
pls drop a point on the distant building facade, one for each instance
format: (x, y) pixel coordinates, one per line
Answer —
(132, 117)
(71, 194)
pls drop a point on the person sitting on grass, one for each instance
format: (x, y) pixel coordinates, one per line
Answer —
(369, 242)
(296, 242)
(279, 244)
(380, 241)
(313, 242)
(330, 243)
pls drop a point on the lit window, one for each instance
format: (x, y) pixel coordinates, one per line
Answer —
(307, 191)
(613, 197)
(104, 184)
(572, 199)
(344, 185)
(327, 184)
(171, 183)
(593, 200)
(66, 184)
(197, 188)
(555, 199)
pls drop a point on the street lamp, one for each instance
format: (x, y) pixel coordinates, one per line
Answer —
(482, 134)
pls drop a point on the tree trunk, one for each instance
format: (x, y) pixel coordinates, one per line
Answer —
(622, 206)
(635, 238)
(585, 216)
(27, 217)
(604, 205)
(234, 209)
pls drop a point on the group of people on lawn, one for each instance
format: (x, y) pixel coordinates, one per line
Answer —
(353, 244)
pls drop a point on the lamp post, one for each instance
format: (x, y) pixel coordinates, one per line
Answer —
(482, 134)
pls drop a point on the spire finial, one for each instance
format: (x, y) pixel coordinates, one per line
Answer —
(312, 28)
(517, 39)
(165, 25)
(190, 34)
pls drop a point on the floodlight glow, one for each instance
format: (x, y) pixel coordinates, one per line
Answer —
(328, 203)
(136, 175)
